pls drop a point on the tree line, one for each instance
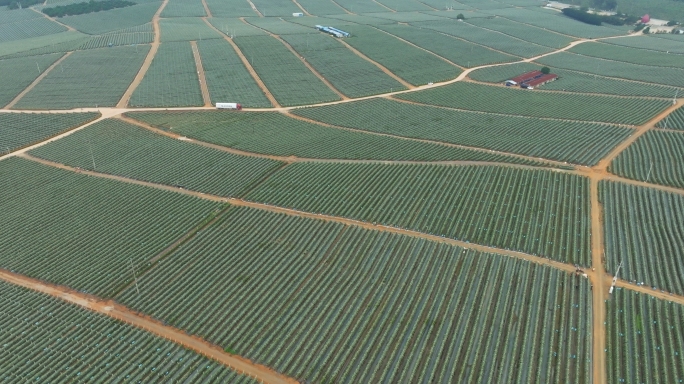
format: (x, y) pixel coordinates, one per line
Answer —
(16, 4)
(594, 19)
(85, 7)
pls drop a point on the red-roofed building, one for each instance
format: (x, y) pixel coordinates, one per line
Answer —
(531, 79)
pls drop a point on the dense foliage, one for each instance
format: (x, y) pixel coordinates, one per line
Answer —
(86, 7)
(17, 4)
(596, 19)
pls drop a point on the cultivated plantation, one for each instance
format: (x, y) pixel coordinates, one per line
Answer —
(340, 191)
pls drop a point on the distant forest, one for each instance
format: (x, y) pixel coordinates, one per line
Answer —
(16, 4)
(85, 7)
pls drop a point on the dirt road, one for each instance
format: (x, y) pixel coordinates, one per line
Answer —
(206, 8)
(389, 73)
(37, 80)
(200, 74)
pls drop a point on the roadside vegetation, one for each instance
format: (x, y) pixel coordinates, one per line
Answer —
(85, 7)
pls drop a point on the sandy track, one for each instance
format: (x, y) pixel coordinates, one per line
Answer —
(389, 73)
(37, 80)
(122, 313)
(247, 65)
(418, 46)
(255, 9)
(68, 27)
(302, 8)
(599, 286)
(342, 8)
(384, 6)
(206, 8)
(123, 103)
(200, 74)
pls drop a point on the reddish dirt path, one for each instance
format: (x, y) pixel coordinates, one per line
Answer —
(380, 66)
(200, 75)
(247, 65)
(37, 80)
(117, 311)
(123, 103)
(599, 286)
(255, 9)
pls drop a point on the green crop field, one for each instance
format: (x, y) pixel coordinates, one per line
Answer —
(639, 326)
(323, 302)
(70, 83)
(272, 8)
(42, 44)
(320, 8)
(227, 77)
(115, 19)
(230, 8)
(283, 72)
(171, 80)
(477, 97)
(406, 17)
(275, 134)
(360, 6)
(630, 55)
(482, 205)
(85, 232)
(279, 26)
(524, 32)
(404, 5)
(458, 51)
(115, 147)
(19, 130)
(411, 64)
(186, 29)
(347, 72)
(655, 157)
(46, 339)
(19, 73)
(580, 143)
(38, 26)
(651, 42)
(674, 120)
(116, 39)
(235, 27)
(184, 8)
(644, 232)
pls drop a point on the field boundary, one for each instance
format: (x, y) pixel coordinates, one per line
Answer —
(380, 66)
(68, 27)
(206, 8)
(37, 80)
(200, 75)
(418, 46)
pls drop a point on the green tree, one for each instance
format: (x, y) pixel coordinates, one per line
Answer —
(546, 70)
(460, 16)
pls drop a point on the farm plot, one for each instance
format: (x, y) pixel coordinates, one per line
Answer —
(85, 232)
(573, 81)
(580, 143)
(482, 5)
(235, 27)
(644, 339)
(361, 6)
(97, 23)
(358, 19)
(477, 97)
(656, 157)
(649, 42)
(404, 5)
(44, 337)
(442, 6)
(17, 74)
(406, 61)
(658, 75)
(630, 55)
(186, 29)
(24, 29)
(115, 147)
(275, 134)
(279, 26)
(406, 17)
(319, 301)
(71, 84)
(230, 8)
(524, 32)
(117, 39)
(495, 40)
(58, 42)
(318, 8)
(556, 22)
(539, 212)
(227, 77)
(288, 79)
(271, 8)
(171, 80)
(458, 51)
(674, 120)
(18, 130)
(18, 15)
(184, 8)
(645, 231)
(347, 72)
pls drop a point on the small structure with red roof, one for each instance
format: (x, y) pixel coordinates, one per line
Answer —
(645, 18)
(531, 79)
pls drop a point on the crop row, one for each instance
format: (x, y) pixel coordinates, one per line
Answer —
(85, 232)
(538, 212)
(28, 28)
(115, 147)
(19, 73)
(276, 134)
(644, 231)
(70, 84)
(574, 142)
(97, 23)
(184, 8)
(171, 80)
(288, 79)
(523, 32)
(404, 5)
(23, 129)
(645, 339)
(271, 8)
(360, 6)
(655, 157)
(116, 39)
(320, 8)
(478, 97)
(230, 8)
(47, 340)
(278, 26)
(674, 120)
(186, 29)
(327, 303)
(654, 43)
(630, 55)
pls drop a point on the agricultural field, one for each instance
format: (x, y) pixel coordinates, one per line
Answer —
(23, 129)
(356, 19)
(171, 80)
(651, 43)
(360, 6)
(411, 64)
(404, 5)
(645, 339)
(34, 27)
(279, 26)
(644, 232)
(656, 157)
(482, 205)
(85, 232)
(116, 147)
(271, 8)
(186, 29)
(235, 27)
(348, 73)
(97, 23)
(230, 8)
(42, 45)
(460, 52)
(406, 17)
(69, 84)
(573, 142)
(323, 302)
(674, 120)
(486, 98)
(321, 8)
(282, 72)
(644, 73)
(45, 338)
(184, 8)
(524, 32)
(573, 81)
(19, 73)
(273, 133)
(118, 38)
(630, 55)
(227, 77)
